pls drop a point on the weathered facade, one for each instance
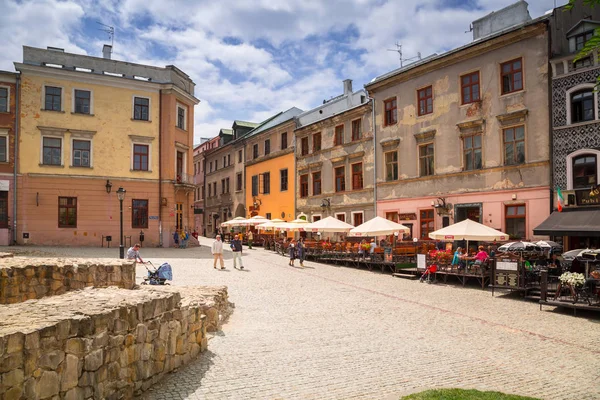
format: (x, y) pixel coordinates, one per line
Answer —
(8, 121)
(335, 159)
(91, 125)
(575, 129)
(199, 171)
(270, 167)
(465, 134)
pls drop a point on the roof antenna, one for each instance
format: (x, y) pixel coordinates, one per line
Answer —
(399, 51)
(111, 32)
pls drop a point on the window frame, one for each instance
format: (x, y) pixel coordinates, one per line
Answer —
(342, 176)
(7, 98)
(255, 185)
(303, 186)
(62, 149)
(133, 153)
(266, 182)
(317, 139)
(575, 91)
(45, 95)
(356, 123)
(74, 101)
(421, 157)
(386, 164)
(67, 207)
(569, 164)
(73, 140)
(239, 181)
(315, 181)
(283, 140)
(267, 147)
(135, 96)
(392, 118)
(183, 126)
(356, 174)
(470, 86)
(424, 99)
(516, 216)
(514, 141)
(4, 135)
(4, 216)
(255, 151)
(240, 156)
(304, 150)
(511, 74)
(342, 214)
(585, 155)
(424, 233)
(338, 135)
(282, 180)
(134, 223)
(473, 150)
(353, 215)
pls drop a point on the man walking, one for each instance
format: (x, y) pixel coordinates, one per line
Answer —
(217, 251)
(250, 238)
(236, 247)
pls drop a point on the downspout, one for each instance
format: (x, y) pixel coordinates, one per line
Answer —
(374, 155)
(160, 236)
(16, 156)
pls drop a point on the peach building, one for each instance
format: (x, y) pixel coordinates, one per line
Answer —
(91, 125)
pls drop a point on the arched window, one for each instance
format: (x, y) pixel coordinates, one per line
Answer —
(585, 171)
(582, 106)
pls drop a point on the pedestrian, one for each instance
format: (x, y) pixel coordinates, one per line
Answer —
(134, 253)
(236, 247)
(292, 252)
(217, 251)
(300, 251)
(250, 239)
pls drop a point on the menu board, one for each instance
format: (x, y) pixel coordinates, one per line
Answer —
(421, 261)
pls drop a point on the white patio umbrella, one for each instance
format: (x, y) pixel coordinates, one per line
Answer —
(519, 247)
(378, 226)
(548, 244)
(295, 225)
(237, 221)
(271, 225)
(328, 224)
(468, 230)
(256, 220)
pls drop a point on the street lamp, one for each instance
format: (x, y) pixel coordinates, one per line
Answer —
(121, 196)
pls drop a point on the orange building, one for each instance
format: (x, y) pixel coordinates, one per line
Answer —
(270, 189)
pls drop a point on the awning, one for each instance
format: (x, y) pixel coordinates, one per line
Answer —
(571, 223)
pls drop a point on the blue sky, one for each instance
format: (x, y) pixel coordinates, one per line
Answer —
(251, 58)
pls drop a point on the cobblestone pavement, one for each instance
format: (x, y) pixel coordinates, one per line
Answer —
(327, 332)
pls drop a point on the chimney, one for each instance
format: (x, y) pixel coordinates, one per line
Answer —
(347, 86)
(514, 14)
(106, 51)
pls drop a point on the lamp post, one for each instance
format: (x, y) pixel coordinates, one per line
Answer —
(121, 196)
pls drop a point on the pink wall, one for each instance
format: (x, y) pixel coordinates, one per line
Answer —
(536, 201)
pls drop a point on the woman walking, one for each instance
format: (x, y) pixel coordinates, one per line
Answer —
(292, 252)
(301, 251)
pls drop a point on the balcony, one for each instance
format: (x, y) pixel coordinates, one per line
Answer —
(185, 182)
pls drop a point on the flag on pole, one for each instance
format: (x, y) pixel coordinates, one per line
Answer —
(560, 199)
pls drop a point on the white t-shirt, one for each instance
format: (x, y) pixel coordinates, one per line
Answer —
(217, 247)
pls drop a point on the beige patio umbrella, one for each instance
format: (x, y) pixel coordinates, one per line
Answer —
(328, 224)
(378, 226)
(273, 224)
(295, 225)
(468, 230)
(237, 221)
(256, 220)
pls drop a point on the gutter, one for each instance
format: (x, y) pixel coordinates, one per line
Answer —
(550, 114)
(160, 236)
(375, 162)
(16, 156)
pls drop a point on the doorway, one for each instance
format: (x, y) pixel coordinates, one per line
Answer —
(179, 216)
(471, 211)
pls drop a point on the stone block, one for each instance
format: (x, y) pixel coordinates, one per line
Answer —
(141, 333)
(159, 351)
(100, 340)
(102, 374)
(15, 343)
(94, 360)
(76, 393)
(13, 378)
(49, 384)
(120, 326)
(87, 379)
(30, 362)
(146, 351)
(14, 393)
(75, 346)
(31, 389)
(70, 373)
(113, 371)
(11, 361)
(116, 341)
(51, 359)
(129, 340)
(32, 341)
(151, 336)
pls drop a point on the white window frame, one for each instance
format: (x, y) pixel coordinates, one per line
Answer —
(73, 100)
(4, 134)
(144, 143)
(353, 213)
(133, 107)
(91, 151)
(184, 169)
(185, 116)
(577, 88)
(7, 98)
(62, 96)
(340, 213)
(578, 153)
(316, 215)
(62, 150)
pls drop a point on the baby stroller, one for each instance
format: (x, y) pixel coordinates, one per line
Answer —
(430, 271)
(158, 276)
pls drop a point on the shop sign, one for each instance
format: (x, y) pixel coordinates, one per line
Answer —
(595, 192)
(407, 217)
(588, 198)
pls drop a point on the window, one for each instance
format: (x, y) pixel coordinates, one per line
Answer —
(181, 117)
(583, 63)
(223, 186)
(304, 185)
(210, 166)
(255, 185)
(472, 152)
(391, 113)
(140, 157)
(139, 213)
(228, 160)
(81, 153)
(469, 87)
(316, 218)
(425, 97)
(239, 182)
(215, 189)
(52, 151)
(357, 218)
(224, 161)
(580, 40)
(3, 209)
(391, 166)
(514, 145)
(216, 165)
(426, 160)
(268, 215)
(226, 185)
(357, 176)
(255, 151)
(339, 135)
(340, 179)
(267, 147)
(317, 142)
(53, 98)
(203, 192)
(283, 180)
(304, 145)
(356, 129)
(341, 216)
(240, 156)
(4, 99)
(316, 183)
(512, 76)
(141, 108)
(209, 190)
(3, 148)
(284, 141)
(584, 171)
(427, 224)
(515, 221)
(266, 183)
(392, 216)
(82, 101)
(582, 106)
(67, 212)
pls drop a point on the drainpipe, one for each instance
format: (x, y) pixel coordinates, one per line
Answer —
(374, 154)
(550, 116)
(160, 238)
(16, 156)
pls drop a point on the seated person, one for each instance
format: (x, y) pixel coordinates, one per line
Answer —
(373, 246)
(134, 253)
(481, 256)
(456, 260)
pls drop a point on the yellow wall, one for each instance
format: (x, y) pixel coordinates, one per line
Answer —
(112, 121)
(277, 201)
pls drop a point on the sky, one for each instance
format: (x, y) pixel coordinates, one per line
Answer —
(251, 59)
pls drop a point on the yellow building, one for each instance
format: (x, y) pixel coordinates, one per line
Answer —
(270, 189)
(91, 125)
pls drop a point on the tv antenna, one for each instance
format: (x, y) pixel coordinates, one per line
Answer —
(110, 30)
(399, 51)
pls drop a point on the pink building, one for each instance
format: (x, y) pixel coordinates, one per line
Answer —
(199, 173)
